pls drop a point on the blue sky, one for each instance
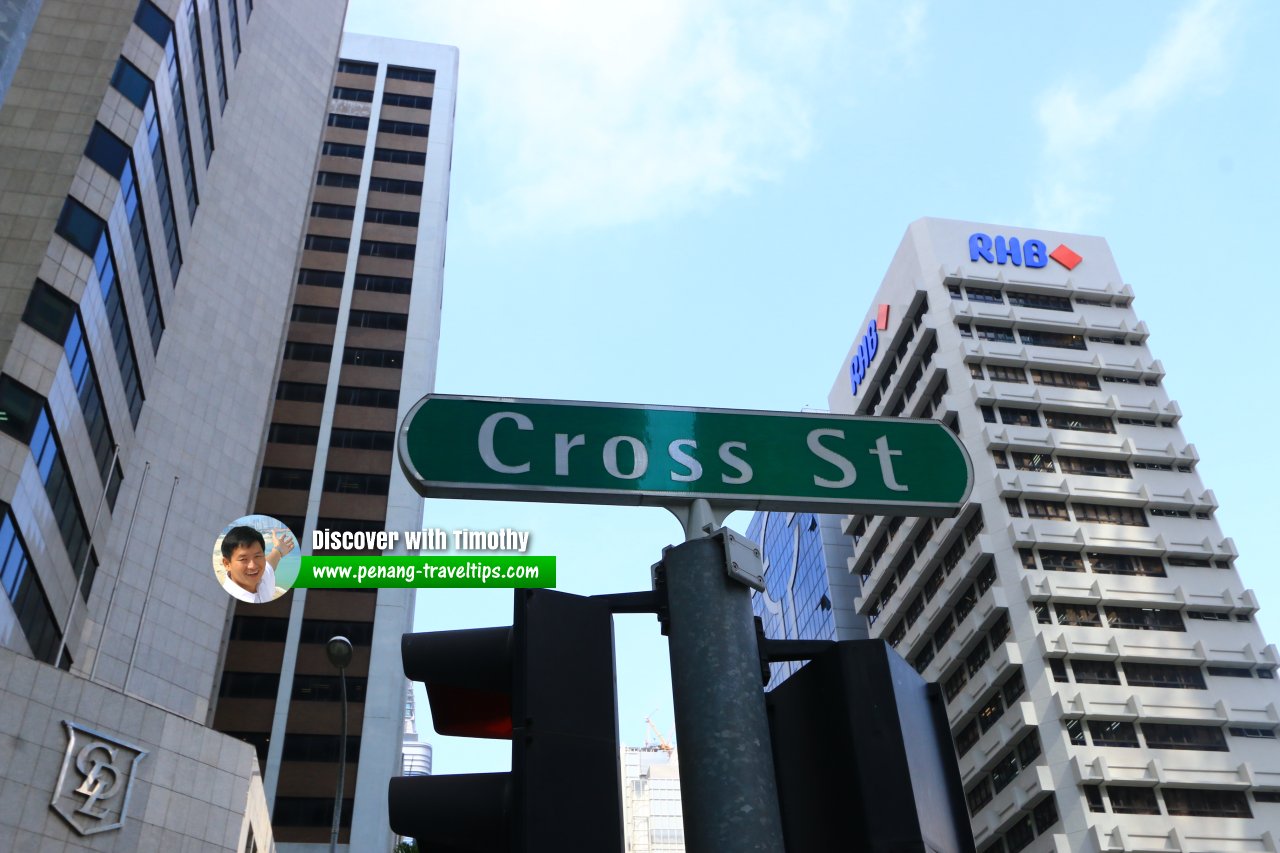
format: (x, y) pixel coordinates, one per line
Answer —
(693, 204)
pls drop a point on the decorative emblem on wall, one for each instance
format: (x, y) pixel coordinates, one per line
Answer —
(97, 773)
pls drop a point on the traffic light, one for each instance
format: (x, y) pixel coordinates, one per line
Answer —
(863, 754)
(547, 683)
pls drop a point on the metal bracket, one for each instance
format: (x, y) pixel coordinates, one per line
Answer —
(742, 559)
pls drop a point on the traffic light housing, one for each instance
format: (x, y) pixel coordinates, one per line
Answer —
(863, 755)
(547, 683)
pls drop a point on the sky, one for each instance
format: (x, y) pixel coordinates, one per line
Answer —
(693, 204)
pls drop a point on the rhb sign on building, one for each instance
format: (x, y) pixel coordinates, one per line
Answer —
(867, 348)
(1010, 250)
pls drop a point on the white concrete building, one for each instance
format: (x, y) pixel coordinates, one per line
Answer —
(1107, 686)
(652, 818)
(155, 164)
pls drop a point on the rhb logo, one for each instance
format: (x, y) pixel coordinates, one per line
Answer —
(867, 348)
(1009, 250)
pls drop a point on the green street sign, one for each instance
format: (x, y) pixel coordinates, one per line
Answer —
(615, 453)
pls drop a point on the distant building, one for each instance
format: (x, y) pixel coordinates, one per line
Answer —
(416, 754)
(652, 819)
(1107, 685)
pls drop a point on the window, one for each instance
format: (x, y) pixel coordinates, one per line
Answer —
(368, 357)
(153, 22)
(417, 75)
(1128, 799)
(350, 122)
(1061, 561)
(995, 334)
(1000, 373)
(323, 210)
(347, 93)
(1126, 564)
(1164, 675)
(1242, 731)
(300, 351)
(1045, 814)
(202, 84)
(160, 167)
(178, 95)
(327, 688)
(1107, 514)
(319, 631)
(1004, 772)
(377, 398)
(1059, 669)
(1060, 340)
(1039, 300)
(320, 243)
(1205, 803)
(351, 483)
(416, 102)
(285, 478)
(1085, 423)
(249, 685)
(998, 457)
(1144, 619)
(320, 278)
(365, 69)
(394, 185)
(383, 249)
(391, 217)
(303, 392)
(88, 233)
(311, 811)
(403, 128)
(307, 747)
(383, 283)
(1170, 736)
(130, 82)
(235, 33)
(1075, 731)
(1090, 467)
(1113, 733)
(1095, 672)
(1062, 379)
(259, 629)
(337, 179)
(342, 149)
(979, 796)
(1052, 510)
(1084, 615)
(378, 320)
(1014, 507)
(977, 294)
(25, 591)
(219, 63)
(362, 439)
(1019, 417)
(1041, 462)
(293, 434)
(967, 737)
(394, 155)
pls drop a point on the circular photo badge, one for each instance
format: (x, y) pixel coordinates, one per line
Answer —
(255, 559)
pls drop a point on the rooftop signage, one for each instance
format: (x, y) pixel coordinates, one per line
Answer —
(1009, 250)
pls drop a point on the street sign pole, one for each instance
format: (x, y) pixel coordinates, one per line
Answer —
(727, 789)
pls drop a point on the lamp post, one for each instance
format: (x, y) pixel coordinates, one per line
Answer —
(338, 649)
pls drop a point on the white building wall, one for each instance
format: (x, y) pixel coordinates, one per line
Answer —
(917, 610)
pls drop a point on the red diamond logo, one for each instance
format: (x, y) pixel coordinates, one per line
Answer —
(1065, 256)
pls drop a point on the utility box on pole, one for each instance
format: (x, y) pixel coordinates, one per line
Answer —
(863, 757)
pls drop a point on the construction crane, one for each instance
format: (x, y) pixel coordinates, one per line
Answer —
(662, 742)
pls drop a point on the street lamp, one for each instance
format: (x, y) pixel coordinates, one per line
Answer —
(339, 650)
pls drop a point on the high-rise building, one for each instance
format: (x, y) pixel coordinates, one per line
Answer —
(652, 817)
(156, 160)
(1106, 684)
(360, 350)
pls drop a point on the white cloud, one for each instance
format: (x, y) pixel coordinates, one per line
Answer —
(1077, 126)
(594, 114)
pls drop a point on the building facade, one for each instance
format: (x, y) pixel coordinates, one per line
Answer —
(652, 817)
(155, 164)
(360, 349)
(1106, 684)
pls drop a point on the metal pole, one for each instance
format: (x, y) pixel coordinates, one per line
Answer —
(124, 553)
(146, 599)
(342, 764)
(88, 552)
(726, 762)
